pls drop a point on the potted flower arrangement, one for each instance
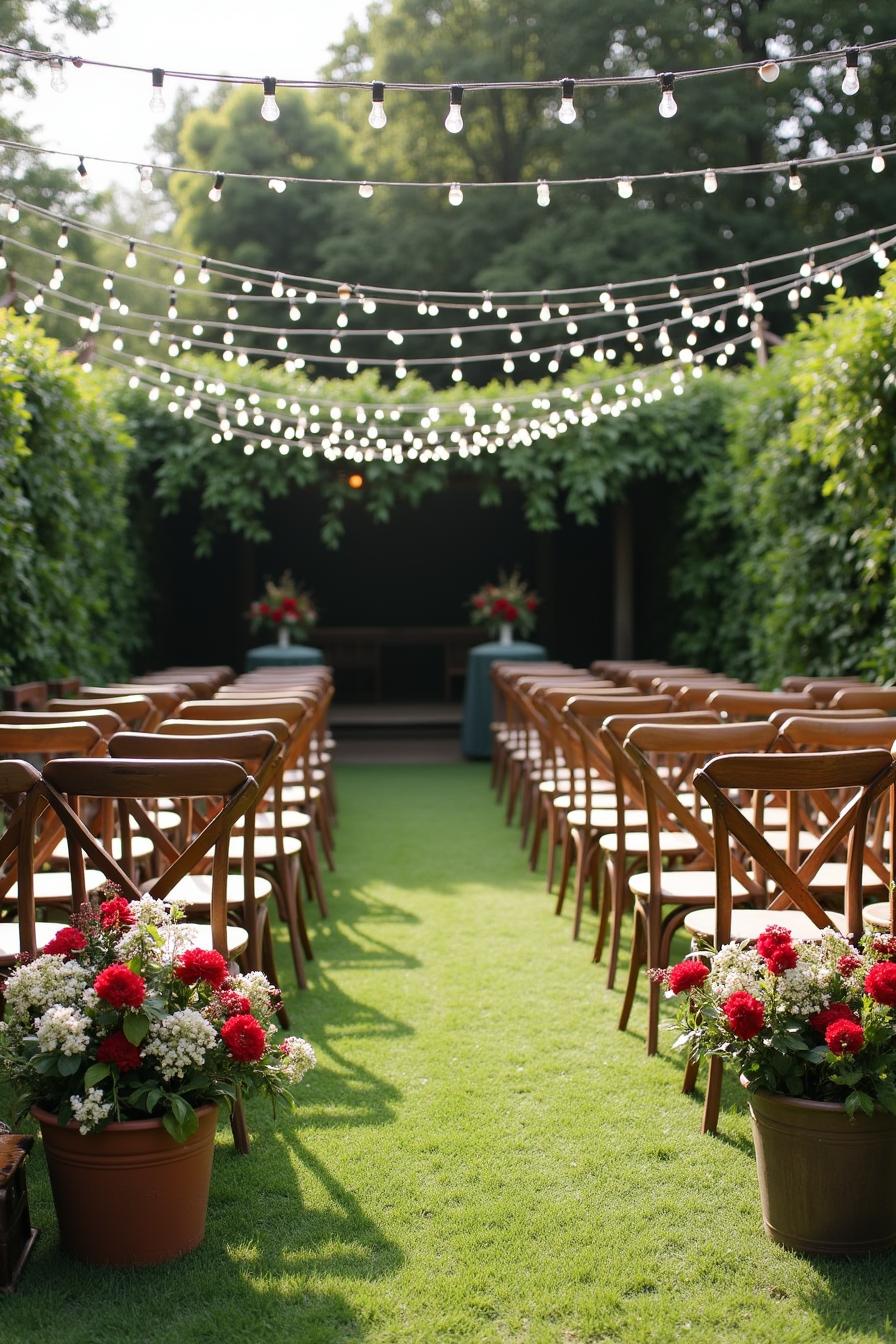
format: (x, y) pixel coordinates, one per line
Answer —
(123, 1041)
(505, 606)
(811, 1025)
(285, 609)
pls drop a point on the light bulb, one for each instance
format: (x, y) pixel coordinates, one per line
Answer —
(794, 181)
(455, 194)
(108, 282)
(545, 313)
(145, 183)
(343, 293)
(232, 311)
(543, 193)
(878, 162)
(769, 71)
(365, 191)
(83, 175)
(157, 101)
(567, 111)
(3, 262)
(454, 121)
(13, 214)
(180, 274)
(851, 74)
(456, 375)
(62, 240)
(57, 277)
(131, 259)
(58, 81)
(668, 106)
(369, 306)
(377, 118)
(203, 275)
(674, 291)
(172, 305)
(710, 182)
(277, 184)
(277, 287)
(719, 282)
(456, 340)
(269, 109)
(216, 188)
(516, 335)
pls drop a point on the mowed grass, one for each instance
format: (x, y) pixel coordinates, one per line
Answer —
(480, 1155)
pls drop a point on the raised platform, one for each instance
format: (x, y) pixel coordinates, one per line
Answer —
(396, 733)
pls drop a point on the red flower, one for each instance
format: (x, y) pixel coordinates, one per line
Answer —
(880, 983)
(885, 946)
(65, 943)
(478, 602)
(772, 938)
(290, 604)
(231, 1003)
(687, 975)
(510, 612)
(117, 1049)
(244, 1037)
(115, 914)
(835, 1012)
(499, 606)
(197, 964)
(846, 965)
(264, 609)
(120, 986)
(277, 616)
(784, 958)
(744, 1014)
(844, 1037)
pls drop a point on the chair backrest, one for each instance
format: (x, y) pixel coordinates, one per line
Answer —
(133, 710)
(105, 720)
(26, 695)
(868, 773)
(781, 716)
(587, 714)
(742, 705)
(828, 732)
(866, 697)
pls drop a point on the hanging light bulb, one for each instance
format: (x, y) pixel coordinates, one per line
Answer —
(131, 259)
(232, 311)
(277, 287)
(851, 74)
(542, 192)
(269, 109)
(180, 274)
(710, 182)
(567, 110)
(172, 305)
(62, 240)
(674, 291)
(377, 117)
(487, 301)
(454, 121)
(719, 281)
(203, 275)
(769, 71)
(12, 212)
(808, 265)
(277, 184)
(545, 313)
(58, 81)
(456, 340)
(157, 101)
(455, 194)
(794, 181)
(216, 188)
(145, 183)
(878, 162)
(668, 106)
(58, 276)
(3, 262)
(108, 282)
(365, 191)
(83, 175)
(625, 187)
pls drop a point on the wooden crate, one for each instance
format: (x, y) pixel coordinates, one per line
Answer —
(17, 1236)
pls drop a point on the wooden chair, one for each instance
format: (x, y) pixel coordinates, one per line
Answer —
(135, 711)
(867, 775)
(22, 798)
(866, 697)
(738, 706)
(26, 695)
(803, 682)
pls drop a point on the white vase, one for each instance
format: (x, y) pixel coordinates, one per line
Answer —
(282, 637)
(505, 633)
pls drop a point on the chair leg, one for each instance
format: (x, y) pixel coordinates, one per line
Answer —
(566, 863)
(238, 1127)
(311, 870)
(619, 903)
(326, 838)
(606, 897)
(537, 832)
(634, 970)
(691, 1069)
(584, 869)
(713, 1097)
(653, 917)
(269, 966)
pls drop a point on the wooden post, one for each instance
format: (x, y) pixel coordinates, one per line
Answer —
(623, 585)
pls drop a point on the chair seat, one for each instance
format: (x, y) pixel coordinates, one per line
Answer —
(831, 878)
(636, 842)
(295, 793)
(265, 848)
(778, 840)
(141, 848)
(292, 821)
(195, 891)
(298, 776)
(690, 888)
(876, 916)
(200, 935)
(746, 925)
(605, 818)
(165, 819)
(10, 947)
(56, 888)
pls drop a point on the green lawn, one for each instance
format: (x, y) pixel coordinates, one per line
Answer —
(480, 1154)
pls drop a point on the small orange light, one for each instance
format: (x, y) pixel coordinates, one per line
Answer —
(356, 480)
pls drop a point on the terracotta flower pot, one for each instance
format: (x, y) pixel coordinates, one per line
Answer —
(827, 1182)
(129, 1195)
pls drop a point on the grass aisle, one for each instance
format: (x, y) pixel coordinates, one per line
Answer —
(480, 1155)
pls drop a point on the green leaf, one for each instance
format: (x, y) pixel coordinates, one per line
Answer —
(181, 1122)
(95, 1074)
(68, 1065)
(135, 1027)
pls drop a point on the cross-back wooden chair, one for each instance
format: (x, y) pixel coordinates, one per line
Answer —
(22, 798)
(135, 711)
(866, 774)
(664, 899)
(105, 720)
(739, 706)
(866, 697)
(644, 677)
(503, 730)
(801, 682)
(26, 695)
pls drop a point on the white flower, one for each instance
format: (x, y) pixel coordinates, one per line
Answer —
(91, 1110)
(62, 1030)
(41, 984)
(258, 989)
(154, 936)
(297, 1058)
(735, 967)
(180, 1042)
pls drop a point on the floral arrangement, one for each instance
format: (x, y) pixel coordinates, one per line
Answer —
(284, 606)
(507, 602)
(814, 1019)
(118, 1019)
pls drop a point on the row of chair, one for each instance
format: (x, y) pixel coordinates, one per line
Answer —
(700, 803)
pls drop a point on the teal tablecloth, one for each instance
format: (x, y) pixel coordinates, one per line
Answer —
(476, 738)
(271, 655)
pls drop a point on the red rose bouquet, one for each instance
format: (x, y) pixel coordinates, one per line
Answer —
(120, 1019)
(284, 607)
(814, 1019)
(507, 602)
